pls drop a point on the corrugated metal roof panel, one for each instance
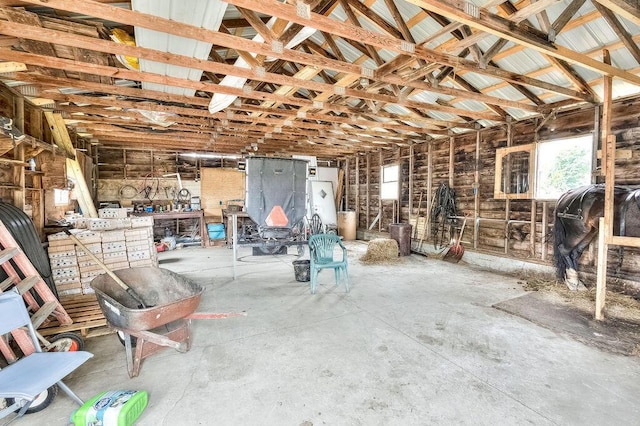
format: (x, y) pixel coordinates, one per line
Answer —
(200, 13)
(523, 62)
(425, 97)
(518, 114)
(556, 77)
(507, 92)
(470, 105)
(621, 58)
(580, 39)
(480, 81)
(442, 115)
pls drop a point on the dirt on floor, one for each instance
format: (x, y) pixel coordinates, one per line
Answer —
(617, 306)
(572, 312)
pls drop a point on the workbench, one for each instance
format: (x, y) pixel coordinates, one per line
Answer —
(178, 216)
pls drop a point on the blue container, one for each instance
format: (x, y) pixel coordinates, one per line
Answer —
(216, 231)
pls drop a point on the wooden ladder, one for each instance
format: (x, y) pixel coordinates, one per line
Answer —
(10, 250)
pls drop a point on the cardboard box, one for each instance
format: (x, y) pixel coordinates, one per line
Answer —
(90, 275)
(95, 248)
(141, 263)
(63, 261)
(141, 221)
(110, 255)
(139, 245)
(136, 234)
(66, 280)
(89, 237)
(114, 246)
(67, 272)
(69, 252)
(112, 213)
(138, 255)
(72, 292)
(113, 236)
(123, 264)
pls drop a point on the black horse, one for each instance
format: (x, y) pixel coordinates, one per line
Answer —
(576, 224)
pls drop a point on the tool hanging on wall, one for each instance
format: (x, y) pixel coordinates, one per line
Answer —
(415, 228)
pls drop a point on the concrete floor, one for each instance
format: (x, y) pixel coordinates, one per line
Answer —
(413, 343)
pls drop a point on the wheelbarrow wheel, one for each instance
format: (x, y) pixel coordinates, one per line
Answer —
(66, 342)
(42, 401)
(120, 335)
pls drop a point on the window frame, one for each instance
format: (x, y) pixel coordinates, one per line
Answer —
(498, 193)
(396, 182)
(532, 149)
(540, 143)
(57, 196)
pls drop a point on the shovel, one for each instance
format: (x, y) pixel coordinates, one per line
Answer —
(455, 252)
(109, 272)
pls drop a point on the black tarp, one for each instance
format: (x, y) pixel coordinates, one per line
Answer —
(272, 183)
(21, 228)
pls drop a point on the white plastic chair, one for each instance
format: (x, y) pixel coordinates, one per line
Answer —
(31, 375)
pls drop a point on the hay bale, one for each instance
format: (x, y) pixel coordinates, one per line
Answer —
(381, 250)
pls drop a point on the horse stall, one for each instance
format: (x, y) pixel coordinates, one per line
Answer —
(506, 221)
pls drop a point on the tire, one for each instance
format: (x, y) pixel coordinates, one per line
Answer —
(66, 342)
(134, 340)
(42, 401)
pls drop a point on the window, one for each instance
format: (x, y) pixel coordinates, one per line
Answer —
(563, 164)
(61, 197)
(513, 176)
(389, 182)
(544, 170)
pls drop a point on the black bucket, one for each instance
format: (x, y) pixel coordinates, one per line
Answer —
(302, 269)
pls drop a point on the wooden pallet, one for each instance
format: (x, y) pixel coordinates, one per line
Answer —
(86, 315)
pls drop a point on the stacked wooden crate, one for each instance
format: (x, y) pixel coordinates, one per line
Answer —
(118, 242)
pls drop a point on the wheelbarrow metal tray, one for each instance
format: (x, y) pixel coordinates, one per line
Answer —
(169, 297)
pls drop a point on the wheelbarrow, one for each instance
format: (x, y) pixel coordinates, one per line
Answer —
(170, 299)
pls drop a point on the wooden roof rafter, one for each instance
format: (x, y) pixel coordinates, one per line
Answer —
(420, 89)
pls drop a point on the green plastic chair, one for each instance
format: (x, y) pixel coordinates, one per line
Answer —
(321, 248)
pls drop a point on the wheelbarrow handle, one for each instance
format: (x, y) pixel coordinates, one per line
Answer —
(109, 272)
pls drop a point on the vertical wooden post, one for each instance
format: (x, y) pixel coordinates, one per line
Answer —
(532, 234)
(451, 160)
(18, 154)
(476, 191)
(608, 169)
(601, 283)
(368, 189)
(425, 231)
(507, 202)
(597, 134)
(398, 205)
(411, 184)
(347, 192)
(124, 163)
(379, 190)
(357, 190)
(545, 229)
